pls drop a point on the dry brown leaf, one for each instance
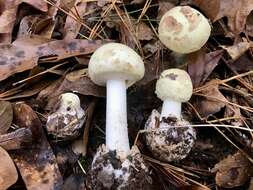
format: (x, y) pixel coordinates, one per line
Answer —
(8, 11)
(6, 116)
(236, 12)
(164, 6)
(237, 50)
(233, 171)
(210, 8)
(19, 57)
(36, 24)
(20, 138)
(8, 172)
(143, 32)
(201, 65)
(37, 164)
(72, 27)
(211, 100)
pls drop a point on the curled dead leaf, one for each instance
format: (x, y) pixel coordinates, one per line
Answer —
(211, 99)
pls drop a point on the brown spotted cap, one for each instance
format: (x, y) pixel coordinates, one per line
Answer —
(174, 84)
(184, 29)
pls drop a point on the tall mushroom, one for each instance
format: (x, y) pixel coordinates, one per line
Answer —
(171, 139)
(115, 166)
(184, 29)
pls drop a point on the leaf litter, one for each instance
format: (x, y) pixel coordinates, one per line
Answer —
(45, 48)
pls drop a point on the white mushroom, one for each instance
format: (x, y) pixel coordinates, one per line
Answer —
(115, 166)
(67, 121)
(184, 29)
(117, 66)
(171, 139)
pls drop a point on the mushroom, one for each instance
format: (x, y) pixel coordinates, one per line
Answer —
(184, 29)
(171, 138)
(115, 166)
(66, 122)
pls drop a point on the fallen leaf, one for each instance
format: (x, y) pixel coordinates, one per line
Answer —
(6, 116)
(210, 8)
(143, 32)
(17, 57)
(233, 171)
(72, 27)
(236, 12)
(37, 164)
(237, 50)
(8, 172)
(36, 24)
(201, 65)
(164, 6)
(211, 100)
(8, 11)
(20, 138)
(78, 81)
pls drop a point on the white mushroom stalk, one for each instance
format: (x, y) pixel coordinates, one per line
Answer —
(116, 66)
(173, 87)
(183, 29)
(116, 166)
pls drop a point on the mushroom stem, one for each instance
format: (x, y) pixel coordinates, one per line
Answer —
(172, 108)
(116, 116)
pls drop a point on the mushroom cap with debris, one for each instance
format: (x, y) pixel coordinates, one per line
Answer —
(184, 29)
(174, 84)
(171, 139)
(115, 61)
(110, 171)
(66, 122)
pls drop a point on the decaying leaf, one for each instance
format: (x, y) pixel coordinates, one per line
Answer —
(36, 24)
(143, 32)
(233, 171)
(18, 58)
(20, 138)
(210, 8)
(211, 100)
(236, 12)
(201, 65)
(72, 27)
(6, 116)
(8, 172)
(237, 50)
(8, 11)
(37, 164)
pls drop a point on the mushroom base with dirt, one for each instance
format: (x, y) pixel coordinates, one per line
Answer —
(110, 171)
(170, 139)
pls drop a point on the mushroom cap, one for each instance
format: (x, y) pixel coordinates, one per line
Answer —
(115, 61)
(174, 84)
(184, 29)
(171, 141)
(69, 100)
(110, 171)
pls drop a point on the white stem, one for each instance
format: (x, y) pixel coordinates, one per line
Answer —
(171, 108)
(116, 116)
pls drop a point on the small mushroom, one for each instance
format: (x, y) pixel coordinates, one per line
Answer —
(66, 122)
(184, 29)
(115, 166)
(169, 136)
